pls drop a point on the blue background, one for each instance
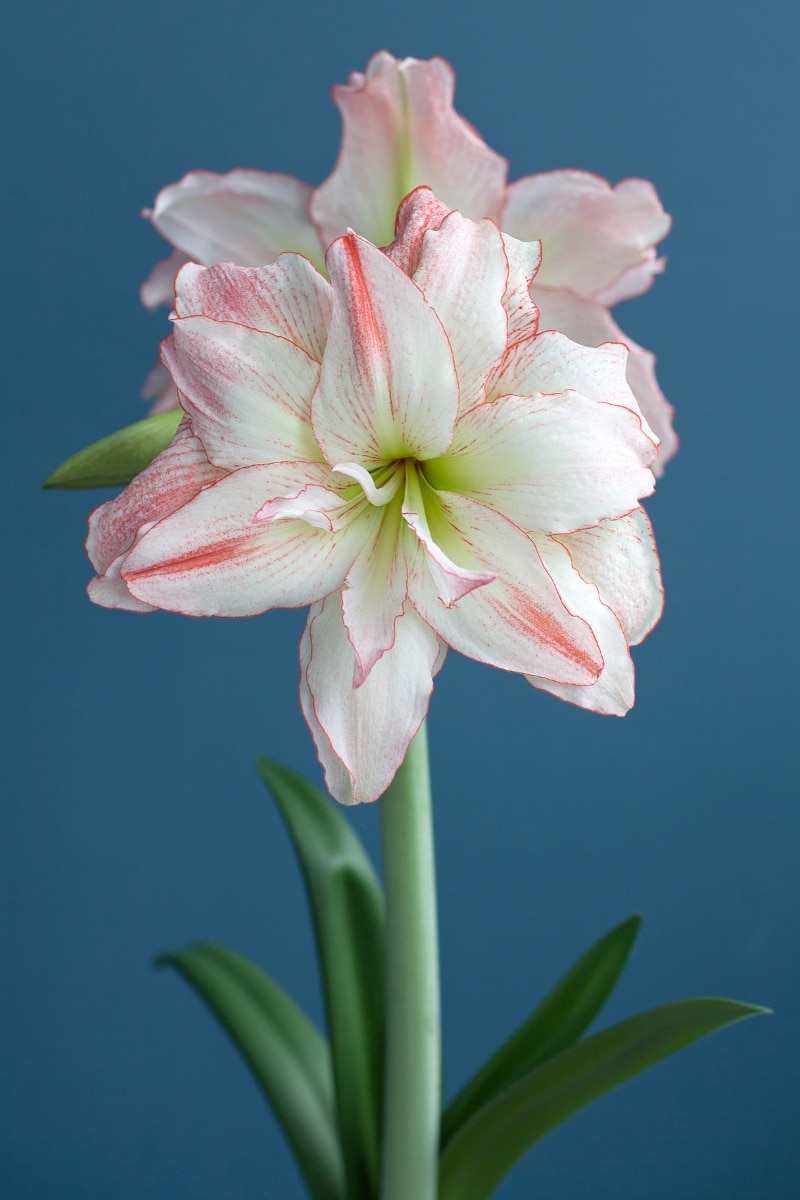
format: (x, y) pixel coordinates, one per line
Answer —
(132, 819)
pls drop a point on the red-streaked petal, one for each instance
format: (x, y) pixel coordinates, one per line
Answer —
(159, 287)
(248, 393)
(109, 590)
(418, 213)
(362, 734)
(288, 298)
(245, 217)
(592, 234)
(159, 387)
(620, 558)
(591, 324)
(518, 622)
(174, 477)
(524, 260)
(211, 558)
(551, 464)
(463, 274)
(388, 387)
(400, 130)
(452, 582)
(613, 692)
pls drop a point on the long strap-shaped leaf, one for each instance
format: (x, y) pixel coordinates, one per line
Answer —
(287, 1054)
(486, 1147)
(564, 1014)
(348, 912)
(115, 460)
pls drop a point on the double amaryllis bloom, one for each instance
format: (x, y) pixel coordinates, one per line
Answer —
(400, 130)
(400, 448)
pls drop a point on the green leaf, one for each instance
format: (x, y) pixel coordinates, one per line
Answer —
(558, 1022)
(117, 459)
(487, 1146)
(286, 1053)
(347, 908)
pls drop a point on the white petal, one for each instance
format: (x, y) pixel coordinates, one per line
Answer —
(248, 393)
(620, 558)
(550, 463)
(400, 130)
(613, 692)
(519, 621)
(362, 734)
(375, 593)
(245, 217)
(590, 324)
(388, 387)
(452, 582)
(211, 558)
(463, 273)
(159, 287)
(592, 234)
(288, 298)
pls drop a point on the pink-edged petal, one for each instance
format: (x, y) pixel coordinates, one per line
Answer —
(210, 558)
(463, 274)
(109, 590)
(551, 463)
(362, 734)
(551, 362)
(159, 287)
(519, 622)
(417, 214)
(590, 323)
(613, 692)
(376, 592)
(245, 217)
(315, 504)
(400, 130)
(632, 282)
(174, 477)
(388, 387)
(524, 260)
(621, 559)
(592, 234)
(248, 393)
(159, 388)
(288, 298)
(451, 581)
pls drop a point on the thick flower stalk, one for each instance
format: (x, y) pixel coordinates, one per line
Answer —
(400, 130)
(399, 448)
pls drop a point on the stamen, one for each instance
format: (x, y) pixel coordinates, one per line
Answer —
(376, 495)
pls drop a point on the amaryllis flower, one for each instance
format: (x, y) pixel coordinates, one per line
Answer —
(400, 130)
(400, 449)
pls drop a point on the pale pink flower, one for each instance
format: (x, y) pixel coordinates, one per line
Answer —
(400, 130)
(401, 450)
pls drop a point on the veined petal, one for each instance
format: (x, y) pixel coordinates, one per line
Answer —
(109, 590)
(174, 477)
(288, 298)
(159, 287)
(400, 130)
(362, 734)
(210, 558)
(592, 234)
(524, 260)
(315, 504)
(589, 323)
(620, 559)
(248, 393)
(452, 582)
(463, 274)
(418, 213)
(549, 463)
(551, 363)
(388, 387)
(376, 591)
(519, 622)
(245, 217)
(160, 389)
(613, 692)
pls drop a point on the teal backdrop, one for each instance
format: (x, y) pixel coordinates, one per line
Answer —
(132, 818)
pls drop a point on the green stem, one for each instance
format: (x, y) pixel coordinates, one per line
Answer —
(413, 1048)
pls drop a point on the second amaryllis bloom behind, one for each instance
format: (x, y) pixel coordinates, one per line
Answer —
(400, 449)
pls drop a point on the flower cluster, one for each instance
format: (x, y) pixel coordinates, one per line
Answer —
(400, 130)
(397, 444)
